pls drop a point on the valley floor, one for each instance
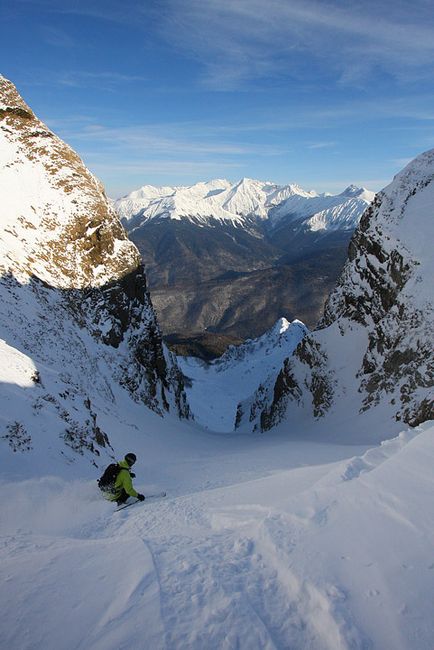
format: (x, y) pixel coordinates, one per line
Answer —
(261, 543)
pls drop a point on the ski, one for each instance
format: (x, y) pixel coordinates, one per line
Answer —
(150, 497)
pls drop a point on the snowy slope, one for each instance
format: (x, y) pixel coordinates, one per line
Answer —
(236, 203)
(322, 547)
(215, 389)
(374, 347)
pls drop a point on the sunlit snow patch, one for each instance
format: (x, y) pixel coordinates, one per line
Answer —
(15, 367)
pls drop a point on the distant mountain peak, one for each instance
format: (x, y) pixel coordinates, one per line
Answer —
(281, 325)
(351, 190)
(360, 192)
(239, 202)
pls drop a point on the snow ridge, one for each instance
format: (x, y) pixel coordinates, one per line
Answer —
(214, 390)
(220, 200)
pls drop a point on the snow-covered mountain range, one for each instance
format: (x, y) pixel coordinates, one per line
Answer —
(212, 251)
(222, 201)
(374, 348)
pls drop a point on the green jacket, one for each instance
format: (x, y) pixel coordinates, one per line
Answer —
(123, 481)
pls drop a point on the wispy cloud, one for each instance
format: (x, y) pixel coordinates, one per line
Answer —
(57, 37)
(320, 118)
(241, 40)
(126, 12)
(238, 42)
(107, 80)
(124, 157)
(321, 145)
(122, 178)
(171, 140)
(163, 167)
(263, 135)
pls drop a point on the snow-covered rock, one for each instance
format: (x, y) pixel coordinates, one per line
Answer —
(75, 306)
(56, 223)
(325, 212)
(215, 389)
(375, 345)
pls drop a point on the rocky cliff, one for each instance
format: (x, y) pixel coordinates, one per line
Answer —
(74, 294)
(374, 347)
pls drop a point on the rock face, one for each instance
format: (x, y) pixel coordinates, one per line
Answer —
(374, 347)
(65, 260)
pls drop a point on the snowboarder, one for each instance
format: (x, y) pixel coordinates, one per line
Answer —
(119, 486)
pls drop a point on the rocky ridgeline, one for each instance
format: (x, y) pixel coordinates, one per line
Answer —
(65, 259)
(374, 346)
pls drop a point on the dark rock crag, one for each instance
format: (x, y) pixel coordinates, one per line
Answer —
(374, 345)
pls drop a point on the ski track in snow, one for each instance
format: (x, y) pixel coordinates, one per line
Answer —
(322, 557)
(225, 588)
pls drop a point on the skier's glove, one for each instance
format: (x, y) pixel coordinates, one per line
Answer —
(132, 475)
(140, 497)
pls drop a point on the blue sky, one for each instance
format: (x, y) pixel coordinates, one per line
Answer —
(320, 93)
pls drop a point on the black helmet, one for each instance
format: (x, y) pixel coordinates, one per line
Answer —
(130, 458)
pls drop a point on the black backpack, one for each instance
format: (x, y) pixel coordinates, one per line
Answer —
(107, 481)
